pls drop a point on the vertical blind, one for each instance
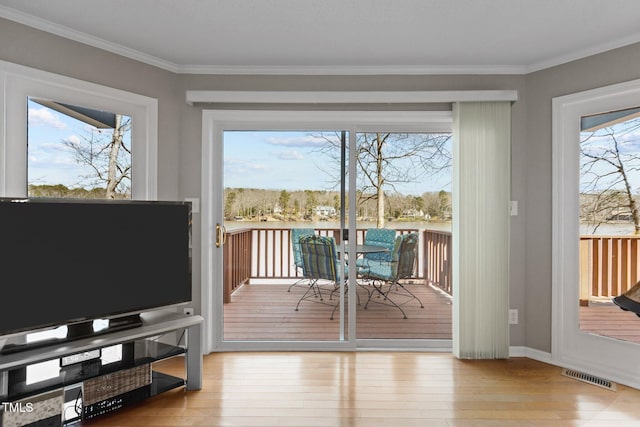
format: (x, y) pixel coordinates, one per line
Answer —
(481, 195)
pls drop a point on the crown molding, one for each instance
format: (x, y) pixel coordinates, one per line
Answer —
(360, 70)
(583, 53)
(347, 97)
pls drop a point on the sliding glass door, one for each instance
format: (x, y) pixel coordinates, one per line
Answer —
(270, 177)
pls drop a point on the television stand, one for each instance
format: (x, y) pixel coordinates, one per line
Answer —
(75, 331)
(140, 350)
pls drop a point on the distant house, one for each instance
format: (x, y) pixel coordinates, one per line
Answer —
(620, 217)
(412, 213)
(325, 211)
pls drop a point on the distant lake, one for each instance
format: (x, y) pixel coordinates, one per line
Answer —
(420, 225)
(606, 229)
(623, 229)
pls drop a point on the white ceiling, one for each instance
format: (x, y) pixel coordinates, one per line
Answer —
(340, 36)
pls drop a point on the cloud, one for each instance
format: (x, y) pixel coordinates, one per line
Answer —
(51, 155)
(241, 166)
(288, 155)
(44, 117)
(73, 140)
(307, 141)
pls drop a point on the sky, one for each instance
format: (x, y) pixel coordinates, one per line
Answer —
(49, 161)
(275, 160)
(292, 160)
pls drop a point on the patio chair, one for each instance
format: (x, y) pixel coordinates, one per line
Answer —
(385, 276)
(296, 234)
(320, 266)
(383, 237)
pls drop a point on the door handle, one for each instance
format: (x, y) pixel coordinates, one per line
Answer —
(221, 235)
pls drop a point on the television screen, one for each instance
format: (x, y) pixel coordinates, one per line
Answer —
(65, 261)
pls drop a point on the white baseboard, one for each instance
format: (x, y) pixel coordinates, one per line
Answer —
(541, 356)
(531, 353)
(517, 351)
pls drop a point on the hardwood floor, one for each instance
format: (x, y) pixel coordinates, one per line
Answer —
(372, 389)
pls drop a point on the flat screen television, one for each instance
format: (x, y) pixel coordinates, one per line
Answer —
(68, 262)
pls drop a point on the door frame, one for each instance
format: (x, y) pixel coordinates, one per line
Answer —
(214, 123)
(598, 355)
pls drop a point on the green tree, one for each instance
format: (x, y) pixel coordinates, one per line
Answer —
(283, 200)
(229, 203)
(444, 204)
(311, 201)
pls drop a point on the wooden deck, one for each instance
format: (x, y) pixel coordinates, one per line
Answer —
(609, 320)
(264, 312)
(267, 312)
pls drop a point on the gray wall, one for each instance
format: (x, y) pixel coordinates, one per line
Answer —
(180, 136)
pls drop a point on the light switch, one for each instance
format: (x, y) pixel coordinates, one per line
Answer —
(195, 204)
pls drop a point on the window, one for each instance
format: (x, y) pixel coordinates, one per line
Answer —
(21, 85)
(584, 125)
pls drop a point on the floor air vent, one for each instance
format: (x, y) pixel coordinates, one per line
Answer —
(590, 379)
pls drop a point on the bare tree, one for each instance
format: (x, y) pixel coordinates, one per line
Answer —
(608, 162)
(107, 155)
(386, 160)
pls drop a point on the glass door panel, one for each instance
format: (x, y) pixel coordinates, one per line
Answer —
(278, 186)
(609, 221)
(404, 188)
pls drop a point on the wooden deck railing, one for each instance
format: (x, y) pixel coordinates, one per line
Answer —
(237, 261)
(265, 253)
(438, 246)
(608, 266)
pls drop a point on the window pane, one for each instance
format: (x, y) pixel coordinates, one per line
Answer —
(404, 187)
(279, 186)
(77, 152)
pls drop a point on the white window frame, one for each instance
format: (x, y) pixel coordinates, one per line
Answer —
(18, 82)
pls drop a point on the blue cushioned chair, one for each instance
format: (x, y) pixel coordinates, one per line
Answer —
(382, 237)
(384, 276)
(296, 234)
(319, 265)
